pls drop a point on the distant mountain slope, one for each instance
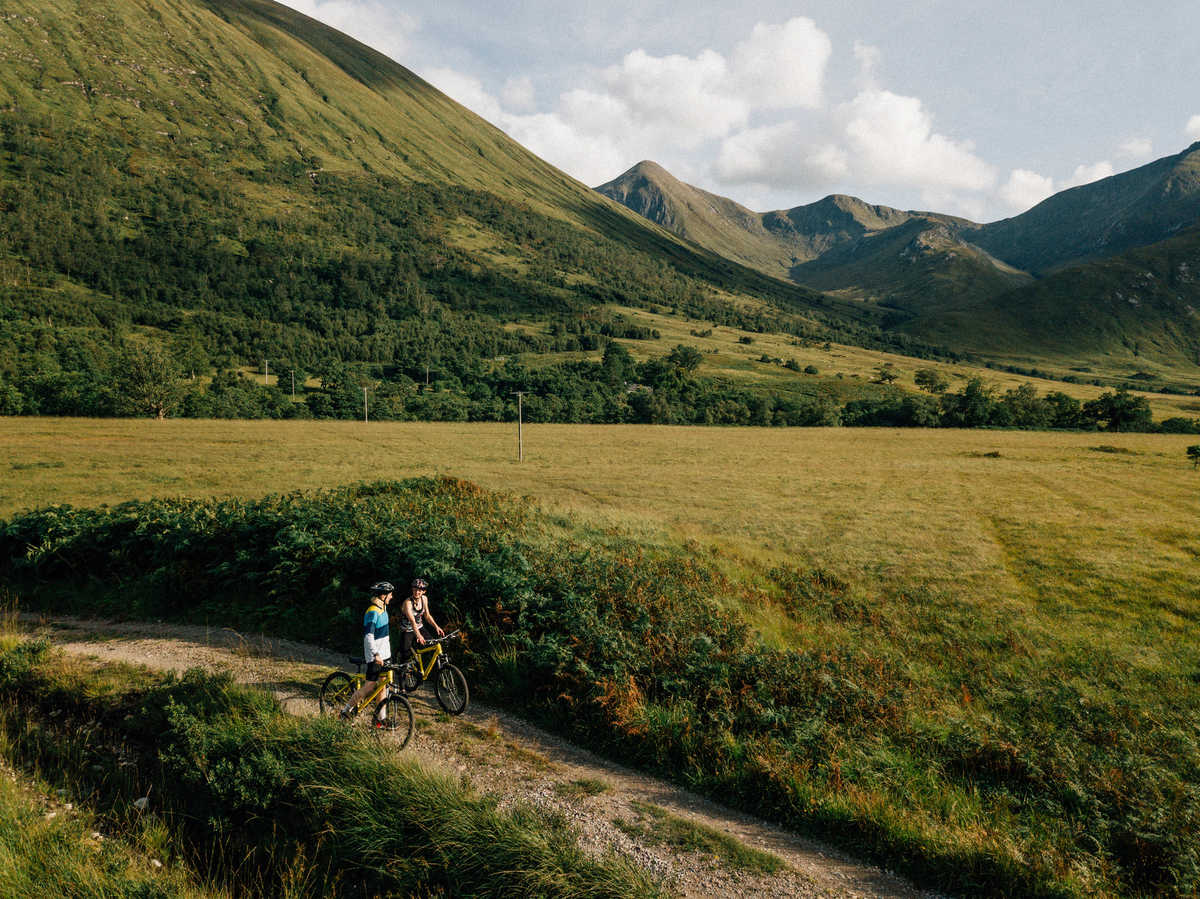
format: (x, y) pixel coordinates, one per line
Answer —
(1106, 217)
(1143, 305)
(917, 266)
(903, 259)
(773, 242)
(1065, 277)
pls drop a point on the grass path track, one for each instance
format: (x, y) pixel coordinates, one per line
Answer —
(504, 756)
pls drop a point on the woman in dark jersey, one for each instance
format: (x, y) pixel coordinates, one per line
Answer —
(413, 616)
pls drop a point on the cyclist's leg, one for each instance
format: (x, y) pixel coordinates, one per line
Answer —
(364, 691)
(408, 642)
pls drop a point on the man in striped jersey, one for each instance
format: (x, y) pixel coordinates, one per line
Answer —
(377, 646)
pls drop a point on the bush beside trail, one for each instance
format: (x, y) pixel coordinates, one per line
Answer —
(916, 729)
(277, 805)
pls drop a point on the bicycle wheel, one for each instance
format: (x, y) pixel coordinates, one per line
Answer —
(335, 693)
(450, 687)
(394, 719)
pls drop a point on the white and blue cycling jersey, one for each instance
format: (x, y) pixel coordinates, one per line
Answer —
(375, 634)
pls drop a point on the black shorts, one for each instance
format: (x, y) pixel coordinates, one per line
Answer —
(408, 640)
(375, 670)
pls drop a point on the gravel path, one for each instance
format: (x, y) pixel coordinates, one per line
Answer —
(511, 759)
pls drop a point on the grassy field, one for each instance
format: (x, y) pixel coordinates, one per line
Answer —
(992, 633)
(1053, 514)
(843, 371)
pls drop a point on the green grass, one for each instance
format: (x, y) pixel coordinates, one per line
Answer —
(276, 805)
(657, 825)
(1037, 741)
(581, 788)
(49, 850)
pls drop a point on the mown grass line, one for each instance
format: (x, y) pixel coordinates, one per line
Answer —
(280, 805)
(971, 749)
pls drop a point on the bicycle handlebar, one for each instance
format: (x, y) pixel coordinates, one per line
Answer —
(453, 635)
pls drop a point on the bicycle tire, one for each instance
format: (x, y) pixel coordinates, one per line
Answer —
(335, 693)
(450, 688)
(394, 719)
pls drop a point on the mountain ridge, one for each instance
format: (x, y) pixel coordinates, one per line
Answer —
(922, 265)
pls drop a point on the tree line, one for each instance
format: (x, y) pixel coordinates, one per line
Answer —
(144, 379)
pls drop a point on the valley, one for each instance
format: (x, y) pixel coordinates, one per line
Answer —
(873, 525)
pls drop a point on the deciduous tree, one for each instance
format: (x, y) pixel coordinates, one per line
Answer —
(147, 379)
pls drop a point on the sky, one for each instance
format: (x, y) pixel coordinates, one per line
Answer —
(974, 108)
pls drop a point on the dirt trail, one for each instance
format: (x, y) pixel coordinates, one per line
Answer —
(511, 759)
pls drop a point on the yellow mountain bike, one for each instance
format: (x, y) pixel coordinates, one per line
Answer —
(449, 685)
(393, 712)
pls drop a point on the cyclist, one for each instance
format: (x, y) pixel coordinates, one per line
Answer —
(377, 646)
(413, 616)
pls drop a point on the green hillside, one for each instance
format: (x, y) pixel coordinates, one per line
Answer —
(237, 182)
(1101, 219)
(913, 267)
(1141, 305)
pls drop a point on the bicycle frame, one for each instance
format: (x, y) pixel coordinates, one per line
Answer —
(434, 651)
(385, 681)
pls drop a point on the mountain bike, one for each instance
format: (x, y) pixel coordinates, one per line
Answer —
(449, 685)
(393, 712)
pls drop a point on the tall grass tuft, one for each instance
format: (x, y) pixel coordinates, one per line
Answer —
(278, 805)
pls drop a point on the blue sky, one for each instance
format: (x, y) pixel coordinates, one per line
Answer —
(979, 109)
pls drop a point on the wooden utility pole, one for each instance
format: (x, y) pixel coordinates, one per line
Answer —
(266, 371)
(364, 405)
(293, 383)
(520, 441)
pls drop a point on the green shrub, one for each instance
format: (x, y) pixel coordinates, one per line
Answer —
(870, 733)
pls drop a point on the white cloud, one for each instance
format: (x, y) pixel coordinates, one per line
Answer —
(669, 107)
(892, 141)
(1025, 189)
(518, 94)
(592, 158)
(1193, 128)
(1086, 174)
(1136, 148)
(714, 120)
(375, 23)
(878, 138)
(782, 66)
(779, 156)
(684, 97)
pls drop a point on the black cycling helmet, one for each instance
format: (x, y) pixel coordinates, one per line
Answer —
(419, 582)
(379, 589)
